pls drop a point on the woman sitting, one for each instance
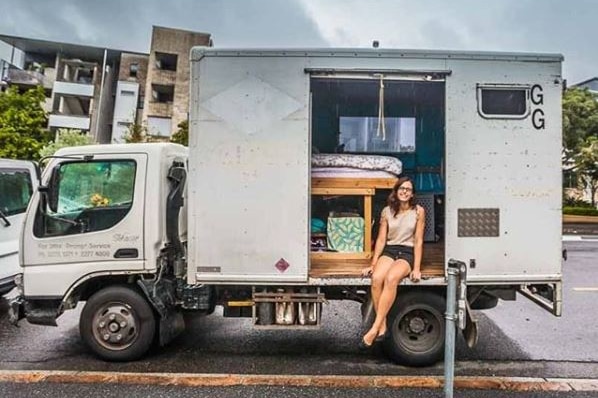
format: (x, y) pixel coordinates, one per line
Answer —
(398, 253)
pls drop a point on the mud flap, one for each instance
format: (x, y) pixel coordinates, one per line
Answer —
(171, 325)
(470, 332)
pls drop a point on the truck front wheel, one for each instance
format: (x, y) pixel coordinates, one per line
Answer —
(117, 324)
(416, 324)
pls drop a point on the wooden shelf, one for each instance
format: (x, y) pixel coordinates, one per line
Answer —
(376, 183)
(432, 264)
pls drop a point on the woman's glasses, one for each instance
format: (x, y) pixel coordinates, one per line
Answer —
(405, 189)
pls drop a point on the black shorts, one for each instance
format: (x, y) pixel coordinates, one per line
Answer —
(399, 252)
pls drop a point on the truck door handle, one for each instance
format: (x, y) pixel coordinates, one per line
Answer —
(126, 253)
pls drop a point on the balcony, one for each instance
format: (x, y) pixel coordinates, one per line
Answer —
(74, 89)
(21, 77)
(69, 122)
(163, 77)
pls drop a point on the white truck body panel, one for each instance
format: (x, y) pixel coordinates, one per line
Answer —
(9, 234)
(250, 172)
(509, 165)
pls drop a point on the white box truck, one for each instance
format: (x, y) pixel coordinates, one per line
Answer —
(478, 132)
(18, 180)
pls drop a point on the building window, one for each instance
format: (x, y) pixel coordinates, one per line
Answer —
(133, 69)
(162, 93)
(159, 126)
(166, 61)
(503, 102)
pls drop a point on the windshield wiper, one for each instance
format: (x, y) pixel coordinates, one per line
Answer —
(3, 217)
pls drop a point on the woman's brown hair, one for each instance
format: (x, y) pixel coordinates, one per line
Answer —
(393, 202)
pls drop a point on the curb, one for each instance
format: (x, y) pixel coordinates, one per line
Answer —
(228, 380)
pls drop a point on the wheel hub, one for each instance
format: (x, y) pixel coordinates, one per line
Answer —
(114, 326)
(417, 325)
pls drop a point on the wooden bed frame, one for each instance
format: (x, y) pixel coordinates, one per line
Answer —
(334, 264)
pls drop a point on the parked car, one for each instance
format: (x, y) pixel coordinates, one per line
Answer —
(18, 179)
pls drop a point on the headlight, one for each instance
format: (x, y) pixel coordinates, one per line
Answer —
(19, 282)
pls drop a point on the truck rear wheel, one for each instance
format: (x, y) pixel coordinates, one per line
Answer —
(117, 324)
(416, 325)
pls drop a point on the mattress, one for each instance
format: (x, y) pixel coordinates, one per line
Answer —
(348, 172)
(386, 164)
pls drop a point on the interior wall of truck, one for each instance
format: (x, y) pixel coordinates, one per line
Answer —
(392, 117)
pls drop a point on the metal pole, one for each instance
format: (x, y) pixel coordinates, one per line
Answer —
(451, 326)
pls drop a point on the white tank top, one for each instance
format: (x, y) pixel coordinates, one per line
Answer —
(401, 228)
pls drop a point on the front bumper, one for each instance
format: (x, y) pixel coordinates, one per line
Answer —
(7, 284)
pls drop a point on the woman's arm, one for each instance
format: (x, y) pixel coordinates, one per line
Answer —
(418, 246)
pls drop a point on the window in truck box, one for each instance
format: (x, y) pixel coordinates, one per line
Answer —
(503, 101)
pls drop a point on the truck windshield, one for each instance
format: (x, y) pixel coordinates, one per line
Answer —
(15, 191)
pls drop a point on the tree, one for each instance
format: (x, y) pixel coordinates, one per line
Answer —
(587, 166)
(22, 123)
(136, 133)
(580, 120)
(182, 134)
(66, 138)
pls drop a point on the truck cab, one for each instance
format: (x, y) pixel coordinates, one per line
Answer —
(18, 180)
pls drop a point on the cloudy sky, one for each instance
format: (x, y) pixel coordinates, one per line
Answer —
(555, 26)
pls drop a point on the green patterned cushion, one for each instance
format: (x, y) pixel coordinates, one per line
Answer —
(345, 234)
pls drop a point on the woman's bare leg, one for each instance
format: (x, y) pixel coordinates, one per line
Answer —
(378, 276)
(398, 270)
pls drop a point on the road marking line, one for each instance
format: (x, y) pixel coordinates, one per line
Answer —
(224, 380)
(585, 289)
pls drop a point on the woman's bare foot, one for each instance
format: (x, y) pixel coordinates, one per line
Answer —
(369, 338)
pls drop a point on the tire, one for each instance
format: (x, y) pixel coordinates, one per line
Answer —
(417, 329)
(117, 324)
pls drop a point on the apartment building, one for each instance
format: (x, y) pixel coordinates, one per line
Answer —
(157, 84)
(103, 91)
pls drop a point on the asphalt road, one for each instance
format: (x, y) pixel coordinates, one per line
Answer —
(516, 339)
(134, 391)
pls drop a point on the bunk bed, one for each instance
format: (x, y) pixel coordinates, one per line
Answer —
(359, 175)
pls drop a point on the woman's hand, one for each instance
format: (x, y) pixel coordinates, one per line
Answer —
(367, 271)
(416, 275)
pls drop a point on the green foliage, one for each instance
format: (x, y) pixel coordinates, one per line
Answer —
(66, 138)
(580, 211)
(182, 134)
(580, 137)
(136, 133)
(580, 119)
(22, 123)
(574, 202)
(586, 162)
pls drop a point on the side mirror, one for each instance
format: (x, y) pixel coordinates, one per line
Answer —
(50, 191)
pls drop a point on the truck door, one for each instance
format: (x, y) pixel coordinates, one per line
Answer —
(249, 169)
(92, 221)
